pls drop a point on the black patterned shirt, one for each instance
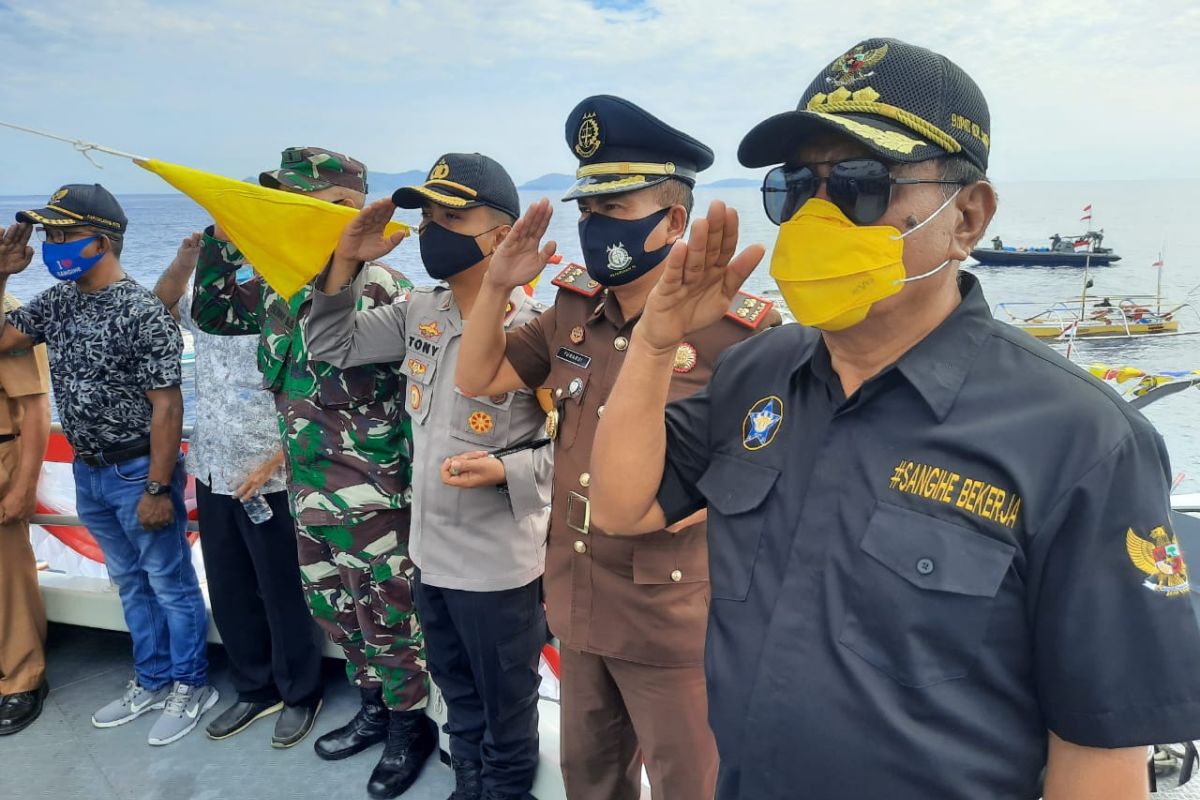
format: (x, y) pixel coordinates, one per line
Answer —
(107, 349)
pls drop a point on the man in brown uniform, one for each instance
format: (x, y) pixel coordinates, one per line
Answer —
(630, 613)
(24, 429)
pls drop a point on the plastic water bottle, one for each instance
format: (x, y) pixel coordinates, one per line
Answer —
(258, 509)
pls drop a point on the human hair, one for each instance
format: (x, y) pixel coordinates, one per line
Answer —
(501, 217)
(674, 192)
(961, 170)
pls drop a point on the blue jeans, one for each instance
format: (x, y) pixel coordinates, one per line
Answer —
(153, 571)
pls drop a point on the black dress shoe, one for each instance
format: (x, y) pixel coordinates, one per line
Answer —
(18, 711)
(238, 717)
(411, 739)
(468, 780)
(369, 726)
(294, 724)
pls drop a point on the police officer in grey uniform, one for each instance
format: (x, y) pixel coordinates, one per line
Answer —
(481, 472)
(928, 533)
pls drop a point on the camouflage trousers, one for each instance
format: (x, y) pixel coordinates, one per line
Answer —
(358, 584)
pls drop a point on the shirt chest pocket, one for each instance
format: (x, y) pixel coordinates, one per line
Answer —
(419, 372)
(481, 421)
(920, 595)
(737, 492)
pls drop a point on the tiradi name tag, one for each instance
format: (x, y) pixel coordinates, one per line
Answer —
(574, 357)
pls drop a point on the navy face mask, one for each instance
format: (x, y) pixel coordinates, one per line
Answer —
(614, 249)
(446, 253)
(65, 260)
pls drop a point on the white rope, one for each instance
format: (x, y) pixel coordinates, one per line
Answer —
(82, 147)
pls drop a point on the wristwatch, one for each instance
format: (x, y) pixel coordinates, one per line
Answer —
(155, 488)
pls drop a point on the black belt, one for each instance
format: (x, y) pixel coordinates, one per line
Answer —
(8, 437)
(116, 455)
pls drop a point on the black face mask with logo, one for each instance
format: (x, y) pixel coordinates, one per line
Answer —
(614, 249)
(446, 253)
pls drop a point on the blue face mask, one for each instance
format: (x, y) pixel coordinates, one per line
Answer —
(66, 260)
(245, 274)
(614, 249)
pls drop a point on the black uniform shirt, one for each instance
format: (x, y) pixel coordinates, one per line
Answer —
(911, 585)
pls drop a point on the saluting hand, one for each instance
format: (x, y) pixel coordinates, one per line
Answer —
(364, 239)
(701, 278)
(521, 257)
(15, 252)
(473, 469)
(189, 251)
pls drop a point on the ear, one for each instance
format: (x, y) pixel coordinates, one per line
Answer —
(501, 234)
(677, 221)
(976, 206)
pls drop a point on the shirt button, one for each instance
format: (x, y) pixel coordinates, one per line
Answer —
(600, 411)
(558, 393)
(677, 576)
(620, 343)
(580, 547)
(925, 566)
(585, 480)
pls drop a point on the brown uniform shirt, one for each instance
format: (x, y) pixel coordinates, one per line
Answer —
(640, 598)
(22, 373)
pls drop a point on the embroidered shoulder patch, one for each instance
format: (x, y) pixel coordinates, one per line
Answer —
(1161, 558)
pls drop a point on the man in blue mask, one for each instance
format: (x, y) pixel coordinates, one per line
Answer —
(114, 364)
(630, 614)
(478, 534)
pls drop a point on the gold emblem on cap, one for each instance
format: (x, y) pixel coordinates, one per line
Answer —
(587, 140)
(59, 195)
(855, 65)
(440, 171)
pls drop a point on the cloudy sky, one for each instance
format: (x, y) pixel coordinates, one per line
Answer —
(1079, 89)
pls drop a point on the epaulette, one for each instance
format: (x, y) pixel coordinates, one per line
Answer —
(748, 309)
(575, 278)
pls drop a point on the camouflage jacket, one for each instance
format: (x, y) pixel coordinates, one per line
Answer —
(346, 434)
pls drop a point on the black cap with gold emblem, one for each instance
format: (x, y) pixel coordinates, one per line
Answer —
(76, 204)
(905, 103)
(622, 148)
(464, 180)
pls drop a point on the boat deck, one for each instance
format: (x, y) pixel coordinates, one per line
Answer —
(62, 756)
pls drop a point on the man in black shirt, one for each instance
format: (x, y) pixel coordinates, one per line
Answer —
(927, 532)
(114, 365)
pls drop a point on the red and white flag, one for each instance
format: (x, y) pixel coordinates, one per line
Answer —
(1087, 213)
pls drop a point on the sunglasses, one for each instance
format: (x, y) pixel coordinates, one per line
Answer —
(860, 187)
(61, 236)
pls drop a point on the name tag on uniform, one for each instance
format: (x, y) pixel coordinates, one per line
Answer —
(281, 317)
(574, 357)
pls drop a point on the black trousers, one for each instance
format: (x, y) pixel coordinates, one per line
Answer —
(254, 587)
(483, 650)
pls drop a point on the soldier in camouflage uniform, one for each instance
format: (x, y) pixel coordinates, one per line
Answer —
(348, 446)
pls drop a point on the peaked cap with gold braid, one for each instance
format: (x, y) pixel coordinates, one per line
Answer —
(903, 102)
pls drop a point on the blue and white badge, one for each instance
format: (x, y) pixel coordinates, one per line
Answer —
(762, 423)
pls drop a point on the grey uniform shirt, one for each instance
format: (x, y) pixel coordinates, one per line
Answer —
(480, 539)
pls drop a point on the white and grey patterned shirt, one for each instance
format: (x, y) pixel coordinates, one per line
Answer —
(106, 349)
(236, 429)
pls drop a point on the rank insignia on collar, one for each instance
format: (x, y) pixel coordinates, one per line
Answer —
(572, 278)
(685, 358)
(430, 330)
(748, 309)
(762, 423)
(480, 422)
(577, 334)
(1161, 558)
(414, 397)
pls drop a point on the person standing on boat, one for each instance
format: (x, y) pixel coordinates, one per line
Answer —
(348, 451)
(479, 523)
(114, 362)
(927, 531)
(630, 615)
(250, 562)
(24, 431)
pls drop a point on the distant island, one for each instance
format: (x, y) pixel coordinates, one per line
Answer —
(551, 180)
(734, 183)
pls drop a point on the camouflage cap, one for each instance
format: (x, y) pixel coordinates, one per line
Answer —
(311, 169)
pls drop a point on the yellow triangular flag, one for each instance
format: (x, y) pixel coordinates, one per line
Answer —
(288, 237)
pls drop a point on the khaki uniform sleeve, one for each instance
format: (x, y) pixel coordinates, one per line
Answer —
(527, 348)
(25, 372)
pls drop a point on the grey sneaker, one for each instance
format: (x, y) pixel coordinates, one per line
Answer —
(185, 705)
(131, 705)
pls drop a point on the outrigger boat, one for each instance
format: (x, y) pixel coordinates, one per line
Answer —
(1131, 317)
(1070, 251)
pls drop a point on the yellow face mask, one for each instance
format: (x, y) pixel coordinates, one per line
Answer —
(831, 271)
